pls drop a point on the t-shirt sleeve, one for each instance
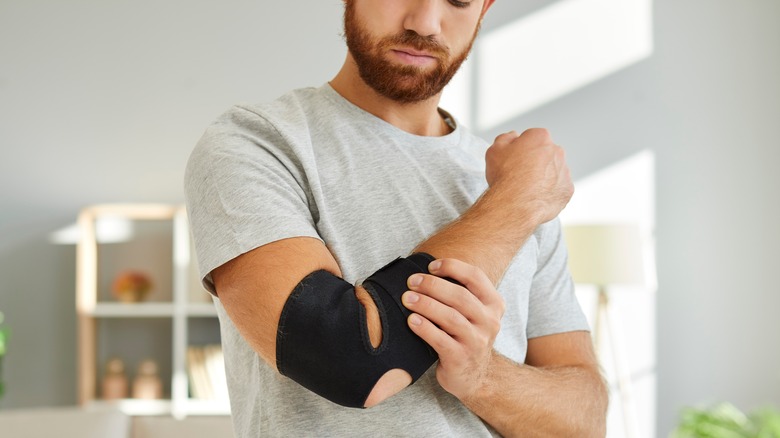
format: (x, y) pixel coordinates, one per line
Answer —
(244, 187)
(553, 306)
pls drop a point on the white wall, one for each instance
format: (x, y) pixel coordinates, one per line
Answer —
(102, 101)
(707, 104)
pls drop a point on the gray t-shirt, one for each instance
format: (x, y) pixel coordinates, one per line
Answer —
(313, 164)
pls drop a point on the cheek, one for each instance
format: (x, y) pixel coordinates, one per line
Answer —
(460, 31)
(378, 17)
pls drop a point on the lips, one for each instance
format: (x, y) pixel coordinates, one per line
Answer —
(414, 57)
(414, 52)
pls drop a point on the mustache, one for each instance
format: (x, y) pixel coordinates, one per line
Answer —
(416, 41)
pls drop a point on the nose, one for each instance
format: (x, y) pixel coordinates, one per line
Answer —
(424, 17)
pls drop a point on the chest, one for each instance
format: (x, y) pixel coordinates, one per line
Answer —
(377, 199)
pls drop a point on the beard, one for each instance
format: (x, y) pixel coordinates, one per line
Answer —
(401, 83)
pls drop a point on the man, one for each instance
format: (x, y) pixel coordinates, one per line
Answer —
(292, 200)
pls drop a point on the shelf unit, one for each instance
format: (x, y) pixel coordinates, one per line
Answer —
(173, 305)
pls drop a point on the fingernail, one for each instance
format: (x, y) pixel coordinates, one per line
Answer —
(415, 320)
(434, 265)
(411, 297)
(415, 280)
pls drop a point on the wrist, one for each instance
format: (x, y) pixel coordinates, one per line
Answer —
(506, 203)
(482, 392)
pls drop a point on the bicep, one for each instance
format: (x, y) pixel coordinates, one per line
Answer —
(254, 286)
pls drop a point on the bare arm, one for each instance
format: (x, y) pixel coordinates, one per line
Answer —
(557, 392)
(529, 185)
(564, 395)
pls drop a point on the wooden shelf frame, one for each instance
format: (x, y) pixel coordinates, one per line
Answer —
(180, 309)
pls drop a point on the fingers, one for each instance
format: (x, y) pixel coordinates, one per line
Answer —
(438, 296)
(456, 308)
(531, 136)
(506, 137)
(537, 135)
(459, 320)
(471, 277)
(444, 344)
(446, 318)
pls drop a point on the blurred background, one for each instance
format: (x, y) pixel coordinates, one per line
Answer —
(668, 110)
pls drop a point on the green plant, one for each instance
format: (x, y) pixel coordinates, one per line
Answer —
(725, 420)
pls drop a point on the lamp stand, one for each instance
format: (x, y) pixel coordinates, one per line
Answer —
(604, 317)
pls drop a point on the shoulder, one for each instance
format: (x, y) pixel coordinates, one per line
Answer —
(252, 131)
(285, 114)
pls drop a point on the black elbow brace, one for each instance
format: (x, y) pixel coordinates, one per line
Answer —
(322, 340)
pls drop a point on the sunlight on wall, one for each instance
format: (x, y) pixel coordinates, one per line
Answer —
(547, 54)
(556, 50)
(456, 98)
(625, 193)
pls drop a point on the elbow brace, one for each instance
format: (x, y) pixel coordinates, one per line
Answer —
(322, 341)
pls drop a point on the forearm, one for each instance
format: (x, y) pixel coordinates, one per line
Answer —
(521, 400)
(487, 235)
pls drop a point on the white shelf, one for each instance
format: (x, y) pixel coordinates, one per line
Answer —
(150, 310)
(133, 310)
(181, 308)
(131, 406)
(137, 407)
(201, 309)
(207, 407)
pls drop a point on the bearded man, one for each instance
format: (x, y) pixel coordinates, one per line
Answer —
(380, 271)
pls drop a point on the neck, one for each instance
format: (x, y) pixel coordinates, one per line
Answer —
(419, 118)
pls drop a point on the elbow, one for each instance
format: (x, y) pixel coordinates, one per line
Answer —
(320, 346)
(390, 384)
(594, 422)
(590, 406)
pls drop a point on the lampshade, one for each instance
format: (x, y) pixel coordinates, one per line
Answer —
(605, 254)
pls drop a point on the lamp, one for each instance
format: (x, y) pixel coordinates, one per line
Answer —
(604, 255)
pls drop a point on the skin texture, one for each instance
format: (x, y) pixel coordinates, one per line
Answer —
(558, 391)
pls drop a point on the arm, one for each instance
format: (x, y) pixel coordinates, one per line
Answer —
(560, 393)
(557, 392)
(528, 180)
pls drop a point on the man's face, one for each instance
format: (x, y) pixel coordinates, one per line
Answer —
(403, 65)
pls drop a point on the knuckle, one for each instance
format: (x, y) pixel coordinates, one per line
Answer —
(473, 271)
(506, 136)
(466, 299)
(478, 274)
(483, 339)
(452, 317)
(429, 281)
(539, 134)
(501, 307)
(425, 304)
(491, 322)
(444, 349)
(495, 326)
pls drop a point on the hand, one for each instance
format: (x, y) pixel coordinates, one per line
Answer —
(532, 169)
(459, 322)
